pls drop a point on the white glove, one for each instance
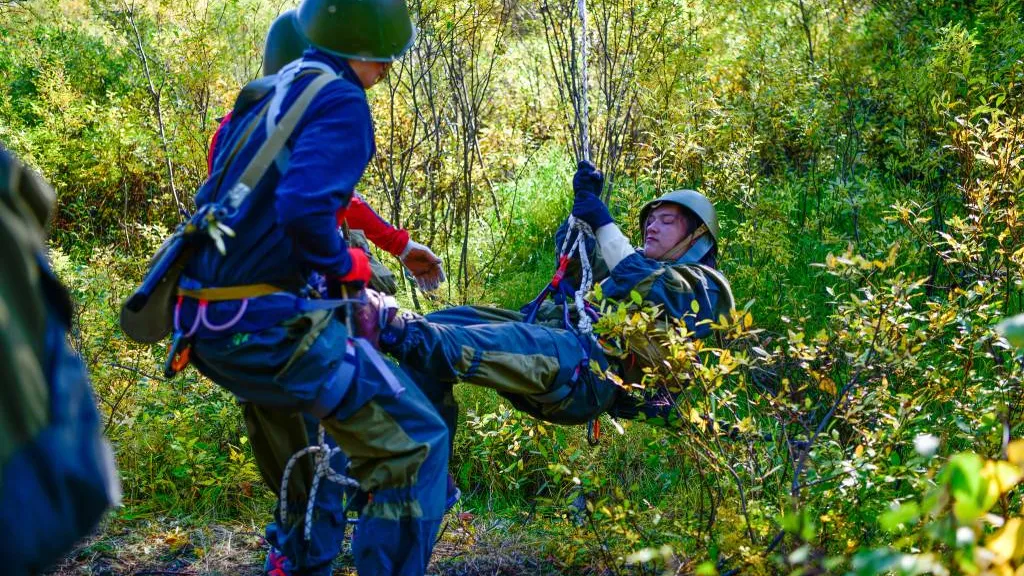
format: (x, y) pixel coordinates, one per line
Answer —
(424, 266)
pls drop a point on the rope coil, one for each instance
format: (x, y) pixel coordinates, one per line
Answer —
(583, 231)
(322, 454)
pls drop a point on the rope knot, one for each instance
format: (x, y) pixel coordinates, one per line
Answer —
(579, 247)
(322, 454)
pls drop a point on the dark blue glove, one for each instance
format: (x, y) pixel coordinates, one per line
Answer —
(587, 179)
(589, 208)
(587, 205)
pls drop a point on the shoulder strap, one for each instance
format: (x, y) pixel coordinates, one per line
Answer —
(257, 167)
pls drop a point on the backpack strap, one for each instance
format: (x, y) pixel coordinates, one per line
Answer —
(261, 161)
(282, 81)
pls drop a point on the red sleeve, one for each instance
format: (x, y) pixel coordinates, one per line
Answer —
(378, 230)
(213, 142)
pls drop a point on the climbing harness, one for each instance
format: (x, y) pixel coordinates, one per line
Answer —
(210, 219)
(147, 315)
(560, 290)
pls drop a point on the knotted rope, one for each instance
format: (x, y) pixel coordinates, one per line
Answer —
(322, 454)
(583, 231)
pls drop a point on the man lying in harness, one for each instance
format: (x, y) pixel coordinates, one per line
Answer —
(543, 370)
(248, 319)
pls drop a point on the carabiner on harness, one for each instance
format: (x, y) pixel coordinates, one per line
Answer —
(178, 355)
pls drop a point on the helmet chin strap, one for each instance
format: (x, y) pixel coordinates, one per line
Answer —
(691, 249)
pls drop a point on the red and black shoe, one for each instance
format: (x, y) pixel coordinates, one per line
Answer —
(278, 564)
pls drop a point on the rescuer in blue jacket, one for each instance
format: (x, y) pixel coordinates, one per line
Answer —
(249, 311)
(56, 470)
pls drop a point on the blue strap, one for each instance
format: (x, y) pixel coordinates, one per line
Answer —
(313, 304)
(531, 309)
(374, 356)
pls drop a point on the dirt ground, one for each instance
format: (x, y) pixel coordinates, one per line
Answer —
(467, 547)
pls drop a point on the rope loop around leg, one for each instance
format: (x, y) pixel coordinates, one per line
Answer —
(322, 454)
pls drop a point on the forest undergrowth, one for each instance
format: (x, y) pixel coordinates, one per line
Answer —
(858, 414)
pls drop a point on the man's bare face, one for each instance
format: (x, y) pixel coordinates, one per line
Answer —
(665, 227)
(370, 73)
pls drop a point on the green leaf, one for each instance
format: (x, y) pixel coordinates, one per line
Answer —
(963, 476)
(903, 515)
(1013, 330)
(706, 569)
(636, 297)
(694, 306)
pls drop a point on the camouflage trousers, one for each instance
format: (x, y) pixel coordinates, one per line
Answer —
(541, 370)
(394, 440)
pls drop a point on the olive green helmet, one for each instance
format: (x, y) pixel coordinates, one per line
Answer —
(285, 43)
(373, 30)
(691, 200)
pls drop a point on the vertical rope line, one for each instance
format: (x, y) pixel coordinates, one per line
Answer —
(581, 7)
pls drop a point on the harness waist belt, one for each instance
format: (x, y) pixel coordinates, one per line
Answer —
(225, 293)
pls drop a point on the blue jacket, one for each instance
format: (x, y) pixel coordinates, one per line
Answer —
(286, 230)
(674, 286)
(56, 470)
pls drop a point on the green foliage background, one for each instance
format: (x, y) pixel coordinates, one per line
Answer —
(865, 158)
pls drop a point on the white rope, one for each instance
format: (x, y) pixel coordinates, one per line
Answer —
(583, 230)
(579, 246)
(322, 454)
(581, 7)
